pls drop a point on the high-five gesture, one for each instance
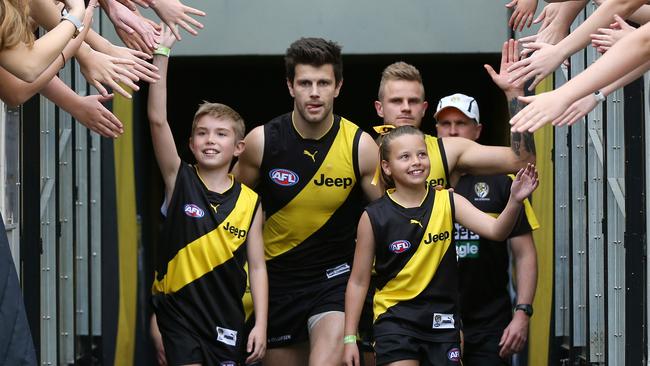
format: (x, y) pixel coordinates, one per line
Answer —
(524, 183)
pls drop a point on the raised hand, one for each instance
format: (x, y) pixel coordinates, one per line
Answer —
(174, 13)
(131, 3)
(523, 14)
(134, 41)
(509, 55)
(99, 68)
(524, 183)
(551, 31)
(91, 113)
(144, 70)
(541, 109)
(544, 61)
(130, 22)
(606, 37)
(577, 110)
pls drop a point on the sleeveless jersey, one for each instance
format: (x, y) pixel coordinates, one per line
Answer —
(417, 278)
(483, 264)
(200, 268)
(312, 203)
(439, 172)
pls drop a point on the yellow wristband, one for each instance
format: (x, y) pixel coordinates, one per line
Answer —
(163, 51)
(348, 339)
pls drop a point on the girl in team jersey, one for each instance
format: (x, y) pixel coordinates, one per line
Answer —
(409, 235)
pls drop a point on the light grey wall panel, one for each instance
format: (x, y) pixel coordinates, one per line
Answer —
(362, 27)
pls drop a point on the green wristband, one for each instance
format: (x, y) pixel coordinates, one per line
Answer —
(163, 51)
(348, 339)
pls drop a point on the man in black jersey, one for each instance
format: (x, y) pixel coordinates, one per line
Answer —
(492, 332)
(313, 170)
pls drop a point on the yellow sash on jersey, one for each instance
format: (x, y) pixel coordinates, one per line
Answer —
(437, 171)
(420, 269)
(210, 250)
(310, 209)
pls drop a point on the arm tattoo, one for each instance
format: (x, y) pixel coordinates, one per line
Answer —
(520, 139)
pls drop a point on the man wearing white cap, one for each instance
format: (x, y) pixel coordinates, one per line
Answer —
(491, 331)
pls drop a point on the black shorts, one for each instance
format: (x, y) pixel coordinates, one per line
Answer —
(483, 350)
(290, 311)
(397, 347)
(184, 344)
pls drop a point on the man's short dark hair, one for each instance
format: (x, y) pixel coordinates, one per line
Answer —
(315, 52)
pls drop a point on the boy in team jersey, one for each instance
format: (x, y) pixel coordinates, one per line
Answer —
(212, 228)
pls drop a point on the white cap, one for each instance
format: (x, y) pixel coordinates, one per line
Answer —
(463, 103)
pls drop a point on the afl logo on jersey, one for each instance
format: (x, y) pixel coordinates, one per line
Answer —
(399, 246)
(193, 210)
(284, 177)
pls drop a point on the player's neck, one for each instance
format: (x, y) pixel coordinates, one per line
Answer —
(409, 195)
(215, 179)
(312, 130)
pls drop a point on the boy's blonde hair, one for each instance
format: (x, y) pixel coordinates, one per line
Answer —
(399, 71)
(221, 111)
(15, 24)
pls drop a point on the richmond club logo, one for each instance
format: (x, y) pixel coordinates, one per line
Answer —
(284, 177)
(481, 189)
(399, 246)
(193, 210)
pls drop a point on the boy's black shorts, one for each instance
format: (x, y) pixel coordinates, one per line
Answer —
(184, 344)
(397, 347)
(290, 311)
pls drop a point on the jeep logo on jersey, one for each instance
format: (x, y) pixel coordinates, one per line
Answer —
(453, 355)
(193, 210)
(399, 246)
(333, 182)
(284, 177)
(436, 237)
(437, 182)
(235, 231)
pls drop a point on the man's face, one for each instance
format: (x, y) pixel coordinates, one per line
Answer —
(314, 89)
(402, 103)
(452, 122)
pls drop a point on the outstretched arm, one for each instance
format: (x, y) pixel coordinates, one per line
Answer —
(548, 58)
(516, 333)
(627, 55)
(259, 288)
(357, 287)
(521, 143)
(497, 229)
(161, 135)
(28, 63)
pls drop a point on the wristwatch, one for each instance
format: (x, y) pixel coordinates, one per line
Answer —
(74, 20)
(600, 97)
(526, 308)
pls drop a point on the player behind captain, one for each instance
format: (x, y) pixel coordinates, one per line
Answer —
(312, 169)
(401, 101)
(408, 234)
(491, 331)
(212, 226)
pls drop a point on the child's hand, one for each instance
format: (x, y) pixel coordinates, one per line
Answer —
(351, 355)
(524, 184)
(167, 39)
(256, 339)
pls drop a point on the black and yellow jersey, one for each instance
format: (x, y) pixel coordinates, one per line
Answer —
(417, 274)
(439, 171)
(312, 202)
(484, 298)
(200, 268)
